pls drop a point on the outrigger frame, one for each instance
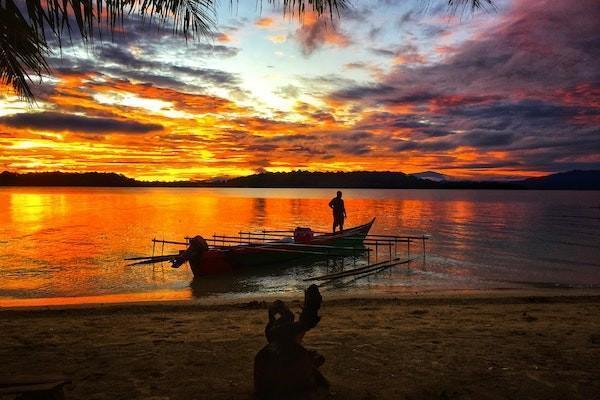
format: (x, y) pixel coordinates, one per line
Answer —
(273, 241)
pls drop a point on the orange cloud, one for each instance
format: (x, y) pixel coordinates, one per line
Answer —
(317, 31)
(223, 38)
(277, 38)
(264, 22)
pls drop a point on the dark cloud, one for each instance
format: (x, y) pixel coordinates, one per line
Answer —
(205, 50)
(424, 146)
(54, 121)
(322, 116)
(405, 18)
(360, 135)
(308, 150)
(357, 14)
(481, 165)
(152, 37)
(131, 65)
(215, 76)
(262, 147)
(530, 85)
(431, 31)
(356, 149)
(366, 91)
(524, 110)
(435, 132)
(289, 138)
(382, 52)
(375, 32)
(315, 34)
(357, 65)
(386, 120)
(539, 46)
(486, 139)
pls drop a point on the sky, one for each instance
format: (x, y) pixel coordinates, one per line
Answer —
(404, 85)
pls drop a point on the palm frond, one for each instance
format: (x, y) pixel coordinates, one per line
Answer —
(472, 4)
(319, 7)
(21, 51)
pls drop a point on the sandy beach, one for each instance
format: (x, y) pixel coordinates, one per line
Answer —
(499, 345)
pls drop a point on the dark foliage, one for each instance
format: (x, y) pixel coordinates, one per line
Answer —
(572, 180)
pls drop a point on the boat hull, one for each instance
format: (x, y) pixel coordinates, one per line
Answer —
(226, 260)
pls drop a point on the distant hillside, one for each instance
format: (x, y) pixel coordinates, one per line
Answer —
(432, 176)
(358, 179)
(65, 179)
(572, 180)
(96, 179)
(328, 180)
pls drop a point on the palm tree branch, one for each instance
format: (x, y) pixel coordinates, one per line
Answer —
(21, 51)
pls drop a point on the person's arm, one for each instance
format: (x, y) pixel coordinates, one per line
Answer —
(331, 203)
(344, 208)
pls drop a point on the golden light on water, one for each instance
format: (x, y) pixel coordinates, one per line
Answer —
(68, 245)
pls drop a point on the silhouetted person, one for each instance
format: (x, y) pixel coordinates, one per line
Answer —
(339, 212)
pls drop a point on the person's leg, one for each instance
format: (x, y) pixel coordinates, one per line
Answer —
(339, 221)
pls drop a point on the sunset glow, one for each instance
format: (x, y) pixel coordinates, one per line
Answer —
(495, 94)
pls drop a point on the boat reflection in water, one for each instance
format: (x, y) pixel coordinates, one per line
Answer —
(216, 285)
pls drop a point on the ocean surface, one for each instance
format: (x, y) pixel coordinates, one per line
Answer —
(67, 245)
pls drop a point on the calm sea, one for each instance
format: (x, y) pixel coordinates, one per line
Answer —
(67, 245)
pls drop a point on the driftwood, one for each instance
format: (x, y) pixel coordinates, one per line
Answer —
(284, 367)
(34, 387)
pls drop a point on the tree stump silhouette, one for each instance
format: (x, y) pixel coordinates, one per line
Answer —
(284, 367)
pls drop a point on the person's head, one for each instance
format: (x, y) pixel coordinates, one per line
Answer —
(339, 194)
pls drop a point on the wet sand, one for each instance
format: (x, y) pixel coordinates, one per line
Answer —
(501, 345)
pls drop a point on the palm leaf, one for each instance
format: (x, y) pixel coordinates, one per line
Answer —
(21, 50)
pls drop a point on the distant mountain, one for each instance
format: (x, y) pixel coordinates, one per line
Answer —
(432, 176)
(357, 179)
(65, 179)
(572, 180)
(361, 179)
(95, 179)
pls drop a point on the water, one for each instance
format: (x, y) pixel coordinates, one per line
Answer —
(67, 245)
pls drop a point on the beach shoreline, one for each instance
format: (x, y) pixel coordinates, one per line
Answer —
(534, 343)
(137, 299)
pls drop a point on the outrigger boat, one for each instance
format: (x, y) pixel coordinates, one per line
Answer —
(255, 249)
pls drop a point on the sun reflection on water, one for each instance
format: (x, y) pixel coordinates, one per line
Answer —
(71, 242)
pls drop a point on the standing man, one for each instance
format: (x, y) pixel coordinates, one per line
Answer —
(339, 212)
